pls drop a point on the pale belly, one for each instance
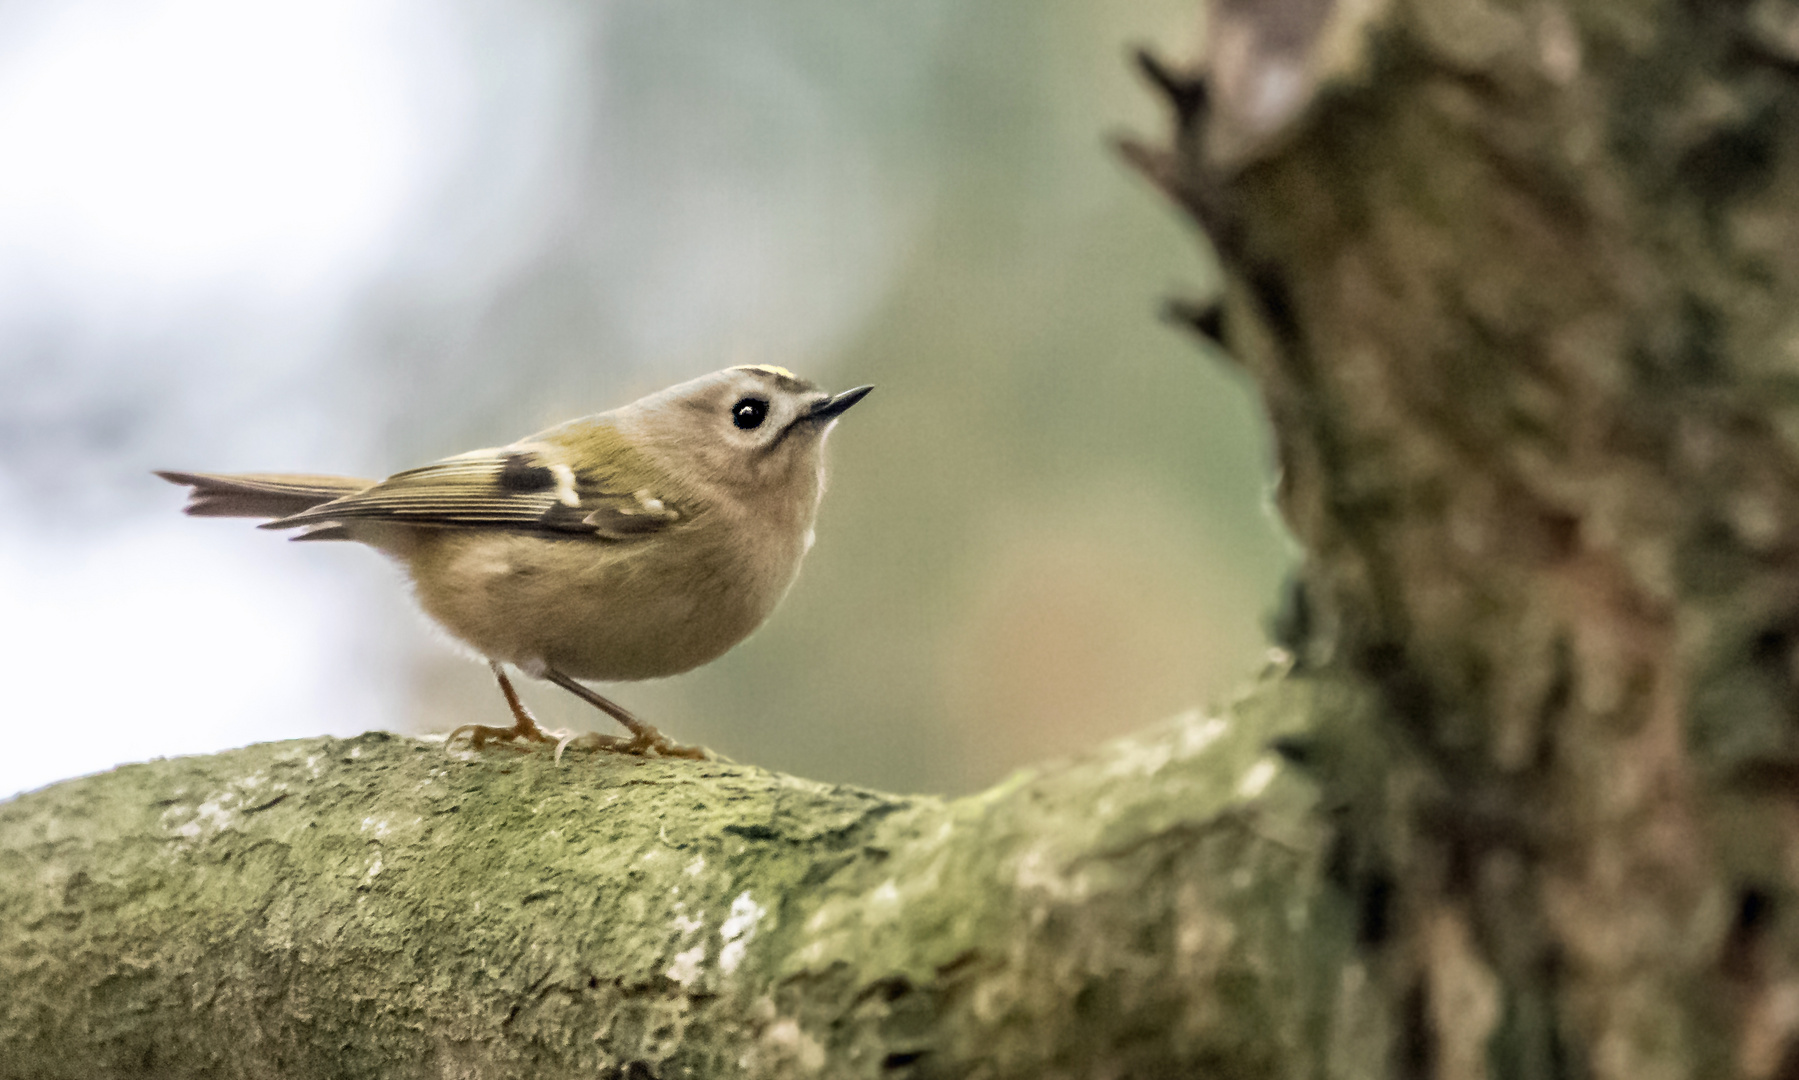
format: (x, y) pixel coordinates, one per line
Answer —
(598, 610)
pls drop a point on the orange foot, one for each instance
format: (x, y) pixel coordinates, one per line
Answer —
(524, 729)
(648, 743)
(645, 741)
(517, 737)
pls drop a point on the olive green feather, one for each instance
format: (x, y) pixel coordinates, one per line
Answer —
(529, 485)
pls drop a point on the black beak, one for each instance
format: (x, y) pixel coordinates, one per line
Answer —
(837, 406)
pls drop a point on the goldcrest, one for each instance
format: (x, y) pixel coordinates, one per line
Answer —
(634, 544)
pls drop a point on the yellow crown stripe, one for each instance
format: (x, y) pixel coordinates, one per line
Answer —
(767, 369)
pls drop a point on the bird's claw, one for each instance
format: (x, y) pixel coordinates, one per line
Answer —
(479, 735)
(660, 745)
(647, 744)
(588, 740)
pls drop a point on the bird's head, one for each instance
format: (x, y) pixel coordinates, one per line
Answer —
(752, 428)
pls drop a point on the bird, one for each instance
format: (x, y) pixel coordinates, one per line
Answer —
(632, 544)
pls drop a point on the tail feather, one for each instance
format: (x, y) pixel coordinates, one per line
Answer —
(260, 495)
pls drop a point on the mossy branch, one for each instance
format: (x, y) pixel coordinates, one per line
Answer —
(380, 906)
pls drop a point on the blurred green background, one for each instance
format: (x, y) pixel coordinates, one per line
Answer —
(1046, 527)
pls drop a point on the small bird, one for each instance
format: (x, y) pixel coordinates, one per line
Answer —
(632, 544)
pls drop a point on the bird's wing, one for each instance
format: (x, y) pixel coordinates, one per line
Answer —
(524, 486)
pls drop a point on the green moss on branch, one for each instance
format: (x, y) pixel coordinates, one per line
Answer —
(378, 906)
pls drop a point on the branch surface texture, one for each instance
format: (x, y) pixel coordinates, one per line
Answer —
(379, 907)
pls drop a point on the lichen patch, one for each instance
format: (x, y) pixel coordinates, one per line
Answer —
(1198, 733)
(738, 930)
(687, 926)
(686, 967)
(1257, 779)
(221, 811)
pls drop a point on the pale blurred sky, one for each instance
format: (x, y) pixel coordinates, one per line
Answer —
(193, 193)
(336, 236)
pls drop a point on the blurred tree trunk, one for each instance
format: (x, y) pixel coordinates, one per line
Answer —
(1520, 286)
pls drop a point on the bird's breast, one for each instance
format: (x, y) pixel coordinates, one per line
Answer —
(609, 610)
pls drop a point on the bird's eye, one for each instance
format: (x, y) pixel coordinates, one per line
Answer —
(749, 413)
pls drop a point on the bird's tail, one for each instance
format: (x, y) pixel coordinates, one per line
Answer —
(260, 495)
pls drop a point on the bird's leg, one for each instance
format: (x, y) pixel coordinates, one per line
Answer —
(524, 726)
(645, 739)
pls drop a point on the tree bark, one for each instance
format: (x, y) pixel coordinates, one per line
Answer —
(1520, 286)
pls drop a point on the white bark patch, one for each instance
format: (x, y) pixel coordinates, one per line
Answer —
(686, 967)
(1038, 871)
(210, 818)
(738, 931)
(1198, 733)
(1202, 939)
(1257, 779)
(884, 902)
(792, 1044)
(222, 810)
(1134, 758)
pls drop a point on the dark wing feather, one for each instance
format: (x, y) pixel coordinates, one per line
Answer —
(512, 487)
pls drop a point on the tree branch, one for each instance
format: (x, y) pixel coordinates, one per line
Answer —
(378, 906)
